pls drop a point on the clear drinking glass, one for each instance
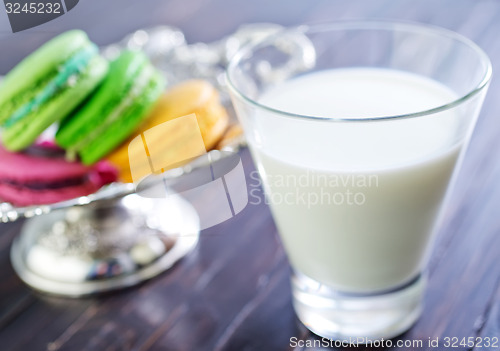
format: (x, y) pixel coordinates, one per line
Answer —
(356, 191)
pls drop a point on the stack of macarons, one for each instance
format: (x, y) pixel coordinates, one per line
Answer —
(96, 103)
(98, 107)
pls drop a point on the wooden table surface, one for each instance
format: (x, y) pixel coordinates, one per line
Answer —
(233, 292)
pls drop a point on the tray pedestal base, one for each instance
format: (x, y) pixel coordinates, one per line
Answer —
(103, 246)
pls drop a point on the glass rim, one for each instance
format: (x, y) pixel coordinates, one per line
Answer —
(389, 25)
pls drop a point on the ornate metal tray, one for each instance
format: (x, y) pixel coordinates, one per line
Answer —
(114, 238)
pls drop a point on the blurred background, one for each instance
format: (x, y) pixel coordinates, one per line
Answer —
(233, 293)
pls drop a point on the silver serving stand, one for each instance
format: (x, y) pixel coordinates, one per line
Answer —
(116, 238)
(112, 239)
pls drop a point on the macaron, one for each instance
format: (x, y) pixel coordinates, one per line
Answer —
(121, 103)
(42, 175)
(196, 97)
(47, 86)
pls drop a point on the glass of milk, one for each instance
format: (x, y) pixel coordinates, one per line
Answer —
(356, 129)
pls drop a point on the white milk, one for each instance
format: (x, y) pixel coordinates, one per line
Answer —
(356, 202)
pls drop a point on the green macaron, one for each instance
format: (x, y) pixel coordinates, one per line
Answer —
(116, 109)
(47, 86)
